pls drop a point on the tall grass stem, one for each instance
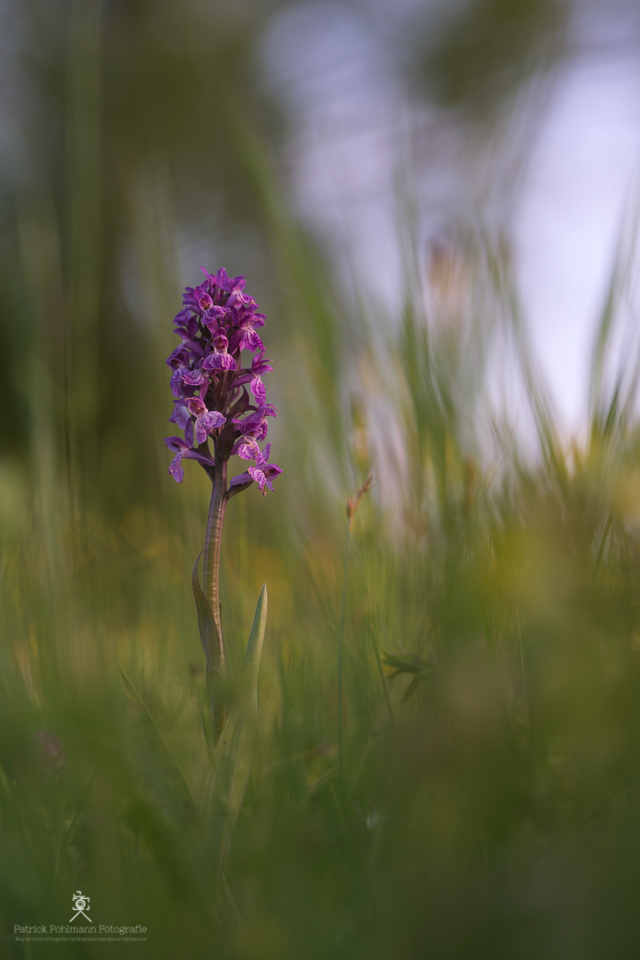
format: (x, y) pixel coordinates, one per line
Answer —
(340, 657)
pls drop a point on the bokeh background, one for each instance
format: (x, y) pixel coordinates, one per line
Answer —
(435, 204)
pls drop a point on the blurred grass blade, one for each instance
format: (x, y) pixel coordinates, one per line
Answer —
(165, 779)
(383, 683)
(413, 686)
(233, 756)
(608, 414)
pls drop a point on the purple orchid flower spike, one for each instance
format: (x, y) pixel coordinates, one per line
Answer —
(212, 405)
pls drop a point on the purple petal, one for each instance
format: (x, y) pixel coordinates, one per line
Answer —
(213, 318)
(258, 476)
(197, 299)
(193, 378)
(205, 302)
(186, 324)
(264, 456)
(258, 389)
(196, 407)
(251, 341)
(213, 420)
(179, 388)
(178, 445)
(219, 361)
(220, 341)
(271, 470)
(200, 430)
(182, 316)
(194, 348)
(260, 366)
(176, 469)
(180, 415)
(248, 451)
(175, 443)
(223, 281)
(206, 423)
(178, 357)
(212, 280)
(254, 425)
(241, 478)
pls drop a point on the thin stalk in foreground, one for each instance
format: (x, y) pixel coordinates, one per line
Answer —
(340, 650)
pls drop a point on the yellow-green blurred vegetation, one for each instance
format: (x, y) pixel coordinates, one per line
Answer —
(491, 810)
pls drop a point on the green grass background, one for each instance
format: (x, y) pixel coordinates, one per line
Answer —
(495, 810)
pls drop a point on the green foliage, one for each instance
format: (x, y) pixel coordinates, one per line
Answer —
(483, 798)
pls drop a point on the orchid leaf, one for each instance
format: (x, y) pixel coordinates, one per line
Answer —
(206, 624)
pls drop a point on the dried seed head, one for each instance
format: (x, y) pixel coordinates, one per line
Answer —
(354, 502)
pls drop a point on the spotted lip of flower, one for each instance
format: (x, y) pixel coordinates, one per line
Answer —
(206, 421)
(262, 475)
(248, 450)
(219, 360)
(257, 389)
(244, 299)
(246, 337)
(193, 378)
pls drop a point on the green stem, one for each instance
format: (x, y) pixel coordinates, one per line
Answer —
(340, 649)
(211, 577)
